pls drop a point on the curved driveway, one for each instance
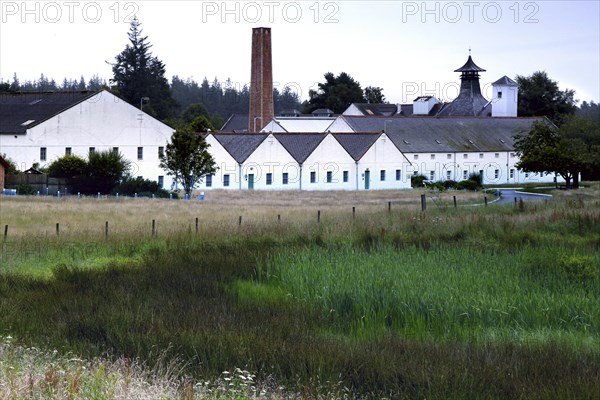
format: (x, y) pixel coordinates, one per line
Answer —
(508, 196)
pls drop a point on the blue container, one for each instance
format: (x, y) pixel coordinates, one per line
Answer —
(9, 192)
(201, 196)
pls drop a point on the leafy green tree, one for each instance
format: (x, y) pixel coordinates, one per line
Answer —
(564, 150)
(336, 93)
(137, 75)
(374, 95)
(192, 111)
(187, 160)
(201, 124)
(67, 166)
(540, 96)
(105, 170)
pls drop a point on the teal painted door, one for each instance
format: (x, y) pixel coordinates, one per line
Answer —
(251, 181)
(367, 179)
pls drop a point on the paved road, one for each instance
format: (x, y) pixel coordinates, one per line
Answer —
(508, 196)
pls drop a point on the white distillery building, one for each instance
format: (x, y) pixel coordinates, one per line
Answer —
(41, 127)
(306, 161)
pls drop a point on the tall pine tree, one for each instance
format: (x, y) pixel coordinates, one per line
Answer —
(138, 75)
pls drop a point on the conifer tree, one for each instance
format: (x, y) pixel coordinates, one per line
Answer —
(138, 74)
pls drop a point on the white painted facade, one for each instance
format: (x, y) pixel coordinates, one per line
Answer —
(496, 167)
(266, 167)
(505, 100)
(226, 166)
(329, 167)
(384, 165)
(269, 167)
(102, 122)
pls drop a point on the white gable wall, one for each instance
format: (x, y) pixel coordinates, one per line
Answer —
(340, 126)
(329, 156)
(270, 157)
(226, 165)
(102, 122)
(383, 155)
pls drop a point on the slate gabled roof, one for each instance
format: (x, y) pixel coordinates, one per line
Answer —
(300, 145)
(240, 146)
(237, 123)
(457, 134)
(505, 81)
(356, 144)
(453, 133)
(21, 111)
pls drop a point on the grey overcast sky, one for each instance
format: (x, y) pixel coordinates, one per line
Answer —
(408, 48)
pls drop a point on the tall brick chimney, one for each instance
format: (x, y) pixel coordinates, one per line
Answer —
(261, 83)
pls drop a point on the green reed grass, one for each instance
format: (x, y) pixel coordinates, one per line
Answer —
(447, 293)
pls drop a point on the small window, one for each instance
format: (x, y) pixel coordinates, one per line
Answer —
(448, 175)
(313, 177)
(329, 176)
(226, 180)
(433, 156)
(92, 150)
(285, 178)
(431, 175)
(116, 150)
(269, 178)
(499, 94)
(465, 174)
(209, 180)
(140, 153)
(449, 156)
(345, 176)
(480, 155)
(416, 156)
(42, 154)
(161, 181)
(161, 151)
(512, 173)
(496, 174)
(526, 174)
(382, 175)
(398, 174)
(68, 151)
(497, 155)
(465, 156)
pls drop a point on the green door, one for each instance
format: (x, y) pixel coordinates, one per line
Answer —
(367, 179)
(251, 181)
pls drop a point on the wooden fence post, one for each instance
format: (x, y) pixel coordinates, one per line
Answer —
(153, 227)
(423, 203)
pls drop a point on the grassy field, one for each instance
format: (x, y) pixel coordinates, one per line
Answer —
(467, 302)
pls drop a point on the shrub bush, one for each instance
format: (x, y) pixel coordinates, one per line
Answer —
(449, 184)
(417, 180)
(141, 187)
(25, 189)
(468, 185)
